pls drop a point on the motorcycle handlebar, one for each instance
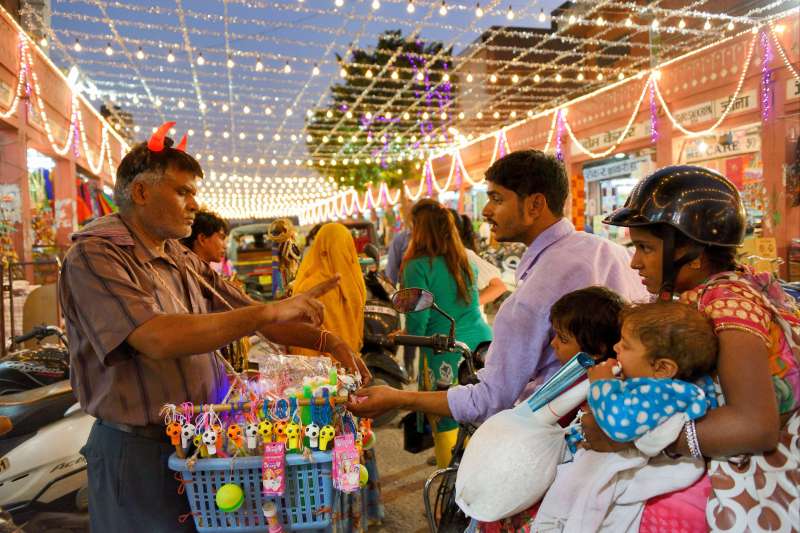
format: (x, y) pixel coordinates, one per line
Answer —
(38, 332)
(437, 342)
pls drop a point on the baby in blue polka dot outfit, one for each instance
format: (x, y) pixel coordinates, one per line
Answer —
(666, 353)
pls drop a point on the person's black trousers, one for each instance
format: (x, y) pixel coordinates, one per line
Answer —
(131, 488)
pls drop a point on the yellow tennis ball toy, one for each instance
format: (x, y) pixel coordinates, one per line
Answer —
(229, 497)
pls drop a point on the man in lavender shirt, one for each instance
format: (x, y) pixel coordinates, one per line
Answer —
(527, 191)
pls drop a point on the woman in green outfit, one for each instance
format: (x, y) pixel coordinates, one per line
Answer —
(436, 261)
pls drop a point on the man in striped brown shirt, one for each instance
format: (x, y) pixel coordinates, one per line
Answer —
(143, 316)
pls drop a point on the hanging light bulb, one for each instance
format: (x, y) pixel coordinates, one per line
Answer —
(425, 116)
(242, 136)
(558, 76)
(461, 115)
(329, 114)
(368, 74)
(446, 77)
(139, 52)
(654, 25)
(478, 10)
(537, 78)
(349, 114)
(200, 59)
(77, 46)
(420, 76)
(170, 57)
(259, 65)
(479, 115)
(493, 78)
(580, 76)
(325, 138)
(628, 22)
(309, 138)
(289, 112)
(681, 24)
(110, 51)
(43, 42)
(368, 115)
(599, 76)
(601, 21)
(443, 116)
(225, 107)
(181, 105)
(376, 5)
(510, 13)
(230, 62)
(287, 68)
(707, 25)
(572, 19)
(542, 16)
(315, 70)
(267, 110)
(513, 114)
(443, 9)
(730, 26)
(246, 110)
(410, 7)
(406, 116)
(388, 114)
(515, 79)
(207, 133)
(225, 134)
(260, 137)
(620, 76)
(395, 75)
(338, 3)
(343, 73)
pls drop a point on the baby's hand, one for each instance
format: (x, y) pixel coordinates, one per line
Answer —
(608, 369)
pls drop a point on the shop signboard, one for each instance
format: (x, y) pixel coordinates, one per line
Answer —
(640, 130)
(10, 203)
(735, 142)
(6, 96)
(792, 89)
(634, 167)
(714, 109)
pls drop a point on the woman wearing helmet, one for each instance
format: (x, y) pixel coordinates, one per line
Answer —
(685, 223)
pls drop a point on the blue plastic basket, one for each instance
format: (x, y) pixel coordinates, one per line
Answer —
(305, 505)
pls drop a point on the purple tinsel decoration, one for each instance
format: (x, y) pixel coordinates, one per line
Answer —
(75, 134)
(429, 178)
(653, 113)
(458, 175)
(501, 144)
(559, 134)
(766, 75)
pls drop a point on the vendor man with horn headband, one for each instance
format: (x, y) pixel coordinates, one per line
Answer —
(143, 317)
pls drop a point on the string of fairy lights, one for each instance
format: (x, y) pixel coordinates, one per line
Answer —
(210, 77)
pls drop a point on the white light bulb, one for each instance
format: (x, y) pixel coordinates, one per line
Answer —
(406, 115)
(230, 62)
(242, 136)
(470, 77)
(325, 138)
(446, 77)
(620, 76)
(368, 74)
(513, 114)
(479, 115)
(259, 65)
(203, 106)
(572, 19)
(376, 5)
(260, 136)
(425, 116)
(329, 114)
(110, 51)
(410, 7)
(338, 3)
(493, 78)
(289, 112)
(496, 114)
(654, 25)
(343, 73)
(201, 60)
(207, 133)
(309, 138)
(510, 13)
(558, 77)
(225, 134)
(267, 110)
(443, 9)
(246, 110)
(420, 76)
(730, 26)
(77, 47)
(443, 116)
(707, 25)
(515, 79)
(349, 114)
(702, 146)
(682, 24)
(287, 68)
(537, 78)
(170, 57)
(461, 115)
(478, 11)
(225, 107)
(601, 21)
(580, 76)
(628, 22)
(181, 105)
(599, 76)
(542, 16)
(315, 71)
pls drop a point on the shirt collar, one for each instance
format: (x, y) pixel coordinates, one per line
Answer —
(145, 254)
(554, 233)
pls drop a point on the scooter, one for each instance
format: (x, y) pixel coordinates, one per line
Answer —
(42, 472)
(380, 319)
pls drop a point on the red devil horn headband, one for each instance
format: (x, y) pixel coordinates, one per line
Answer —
(156, 142)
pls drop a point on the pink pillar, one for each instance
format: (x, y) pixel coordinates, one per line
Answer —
(14, 179)
(64, 199)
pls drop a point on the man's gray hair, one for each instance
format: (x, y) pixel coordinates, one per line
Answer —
(122, 190)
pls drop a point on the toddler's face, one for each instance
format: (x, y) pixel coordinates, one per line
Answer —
(565, 345)
(632, 355)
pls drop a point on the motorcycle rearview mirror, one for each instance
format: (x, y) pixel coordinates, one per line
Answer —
(413, 299)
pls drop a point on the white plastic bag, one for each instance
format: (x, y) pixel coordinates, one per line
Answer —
(511, 459)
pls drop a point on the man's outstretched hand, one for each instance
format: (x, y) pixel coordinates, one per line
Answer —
(370, 402)
(303, 307)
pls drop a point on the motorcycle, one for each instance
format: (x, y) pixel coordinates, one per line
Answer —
(380, 319)
(441, 510)
(42, 472)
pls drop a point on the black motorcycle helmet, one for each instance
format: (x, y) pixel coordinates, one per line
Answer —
(695, 201)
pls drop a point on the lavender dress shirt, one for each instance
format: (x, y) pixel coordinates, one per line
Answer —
(559, 261)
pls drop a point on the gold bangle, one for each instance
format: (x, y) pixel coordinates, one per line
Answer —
(323, 340)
